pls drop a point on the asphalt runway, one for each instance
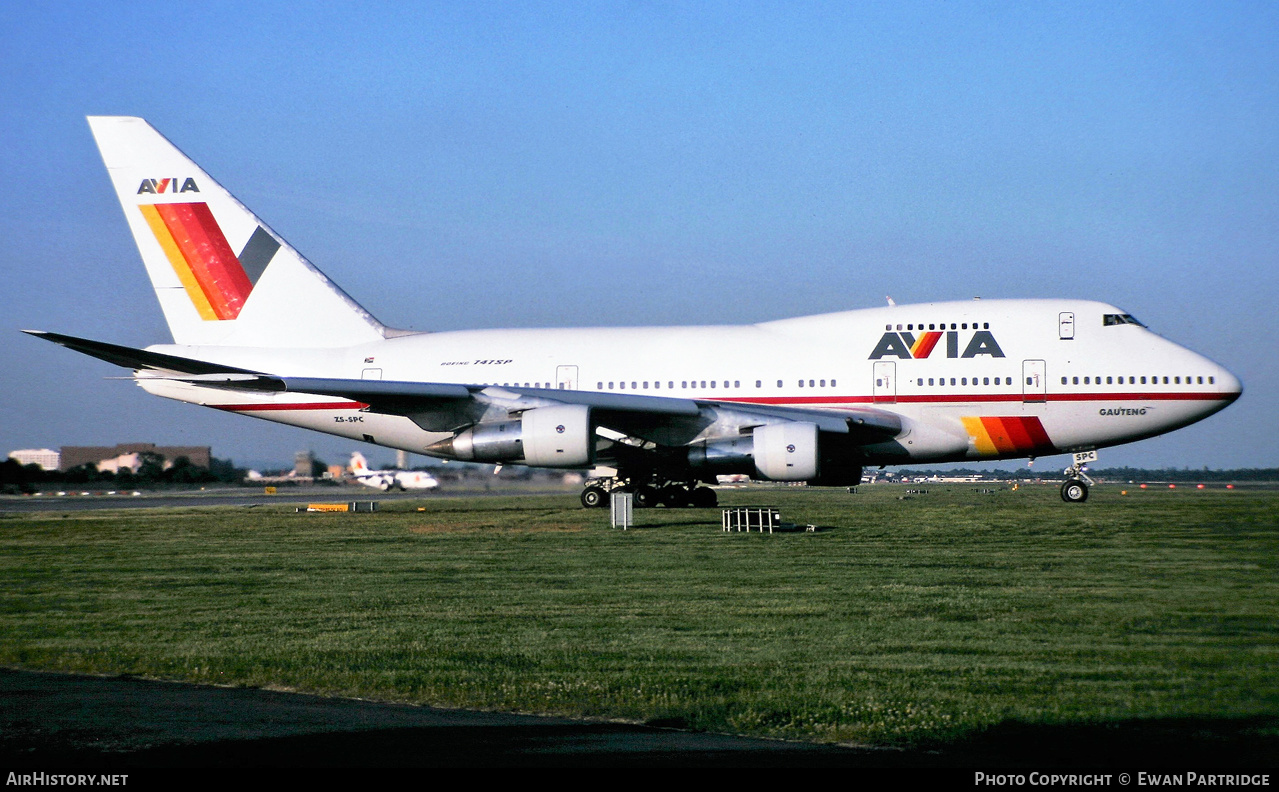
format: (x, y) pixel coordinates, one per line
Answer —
(66, 721)
(73, 502)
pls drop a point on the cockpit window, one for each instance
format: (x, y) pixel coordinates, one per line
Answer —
(1118, 319)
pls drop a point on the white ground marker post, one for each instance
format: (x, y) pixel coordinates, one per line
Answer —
(622, 505)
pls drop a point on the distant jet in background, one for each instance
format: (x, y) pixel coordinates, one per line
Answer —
(389, 479)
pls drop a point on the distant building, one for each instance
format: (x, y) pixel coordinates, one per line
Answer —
(46, 458)
(113, 457)
(302, 464)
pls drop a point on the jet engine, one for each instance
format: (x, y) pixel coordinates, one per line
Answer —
(557, 436)
(793, 451)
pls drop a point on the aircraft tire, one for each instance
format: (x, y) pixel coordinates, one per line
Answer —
(1074, 491)
(674, 497)
(594, 498)
(645, 497)
(704, 498)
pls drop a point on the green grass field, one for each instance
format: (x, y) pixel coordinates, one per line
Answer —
(919, 621)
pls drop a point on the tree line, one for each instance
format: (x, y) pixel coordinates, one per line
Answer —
(1116, 474)
(16, 477)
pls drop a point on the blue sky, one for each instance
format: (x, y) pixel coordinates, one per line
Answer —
(514, 164)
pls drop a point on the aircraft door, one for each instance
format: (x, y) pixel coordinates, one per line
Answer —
(1034, 381)
(1066, 326)
(566, 377)
(885, 391)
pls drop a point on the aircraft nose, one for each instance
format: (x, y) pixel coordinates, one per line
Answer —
(1230, 386)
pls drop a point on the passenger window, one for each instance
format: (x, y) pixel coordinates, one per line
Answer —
(1143, 380)
(832, 383)
(1063, 380)
(779, 383)
(919, 381)
(1075, 381)
(759, 383)
(801, 383)
(985, 380)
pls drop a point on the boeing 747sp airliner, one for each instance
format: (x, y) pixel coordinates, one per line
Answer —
(258, 330)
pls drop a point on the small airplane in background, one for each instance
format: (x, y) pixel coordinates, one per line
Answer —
(656, 411)
(389, 479)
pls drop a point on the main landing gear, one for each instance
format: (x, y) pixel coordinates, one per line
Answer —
(1075, 489)
(673, 495)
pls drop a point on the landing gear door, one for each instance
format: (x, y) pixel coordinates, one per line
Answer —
(566, 377)
(1034, 381)
(885, 391)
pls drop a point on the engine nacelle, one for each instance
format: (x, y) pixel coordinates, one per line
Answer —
(559, 436)
(781, 452)
(787, 451)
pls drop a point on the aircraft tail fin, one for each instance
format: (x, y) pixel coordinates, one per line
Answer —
(358, 463)
(222, 276)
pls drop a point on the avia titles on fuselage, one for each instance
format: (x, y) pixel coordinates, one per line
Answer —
(907, 347)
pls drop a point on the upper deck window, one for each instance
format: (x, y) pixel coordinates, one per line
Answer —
(1117, 319)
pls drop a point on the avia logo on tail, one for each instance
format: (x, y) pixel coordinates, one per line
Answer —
(907, 347)
(155, 186)
(215, 278)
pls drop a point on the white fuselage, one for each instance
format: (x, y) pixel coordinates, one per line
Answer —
(983, 379)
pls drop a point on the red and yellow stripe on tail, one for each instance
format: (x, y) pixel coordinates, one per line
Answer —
(995, 436)
(195, 246)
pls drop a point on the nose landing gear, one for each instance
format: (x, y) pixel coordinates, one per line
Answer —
(1075, 489)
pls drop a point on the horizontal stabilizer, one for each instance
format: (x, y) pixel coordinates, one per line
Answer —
(141, 359)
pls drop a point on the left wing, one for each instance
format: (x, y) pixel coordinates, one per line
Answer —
(537, 425)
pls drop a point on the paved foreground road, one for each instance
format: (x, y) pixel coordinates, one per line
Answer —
(60, 721)
(55, 723)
